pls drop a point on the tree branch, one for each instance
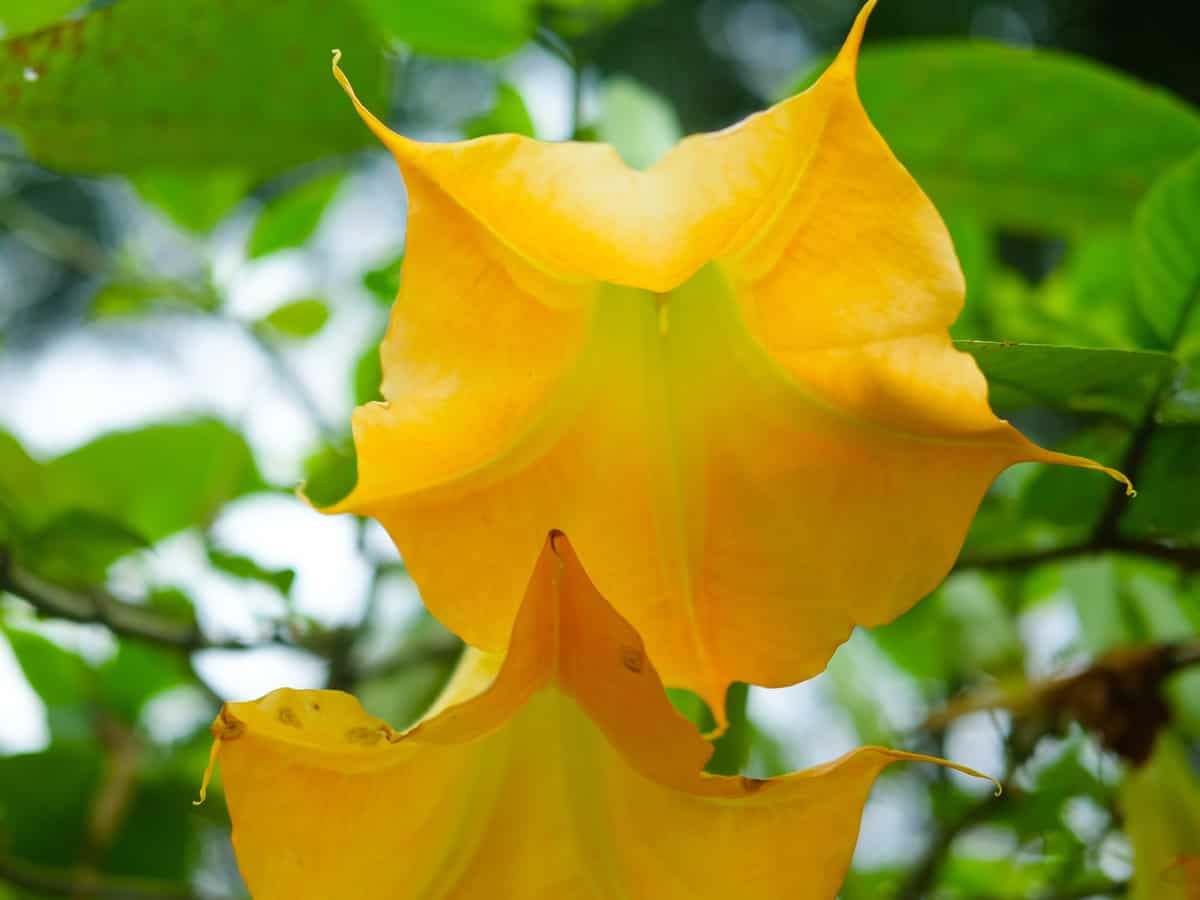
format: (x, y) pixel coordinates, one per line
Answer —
(65, 883)
(93, 605)
(1187, 558)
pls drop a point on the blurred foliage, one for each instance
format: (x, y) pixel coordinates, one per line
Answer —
(159, 163)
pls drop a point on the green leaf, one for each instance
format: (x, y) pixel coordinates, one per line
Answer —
(330, 474)
(290, 219)
(143, 85)
(368, 376)
(464, 28)
(62, 679)
(158, 836)
(1168, 483)
(731, 751)
(297, 319)
(1039, 141)
(1076, 379)
(640, 124)
(69, 518)
(78, 545)
(384, 282)
(1167, 258)
(508, 116)
(118, 299)
(58, 676)
(195, 200)
(47, 803)
(136, 674)
(159, 479)
(22, 16)
(244, 567)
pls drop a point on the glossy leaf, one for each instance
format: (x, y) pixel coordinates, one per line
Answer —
(1076, 379)
(560, 771)
(1167, 258)
(238, 85)
(1040, 141)
(73, 515)
(678, 368)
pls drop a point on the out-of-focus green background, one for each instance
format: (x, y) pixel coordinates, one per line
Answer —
(199, 243)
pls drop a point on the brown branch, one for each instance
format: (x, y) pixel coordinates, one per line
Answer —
(1187, 558)
(93, 605)
(52, 882)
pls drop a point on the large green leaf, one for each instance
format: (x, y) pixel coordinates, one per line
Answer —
(47, 801)
(1168, 480)
(136, 674)
(476, 28)
(1076, 379)
(70, 517)
(484, 28)
(23, 16)
(1040, 141)
(158, 479)
(143, 84)
(1167, 258)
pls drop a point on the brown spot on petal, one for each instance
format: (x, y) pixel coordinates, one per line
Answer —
(751, 785)
(288, 716)
(226, 727)
(363, 735)
(633, 658)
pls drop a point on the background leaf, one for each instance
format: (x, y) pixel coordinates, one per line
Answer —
(243, 84)
(996, 131)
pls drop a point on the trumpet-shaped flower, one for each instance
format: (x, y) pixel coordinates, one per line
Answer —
(728, 378)
(561, 772)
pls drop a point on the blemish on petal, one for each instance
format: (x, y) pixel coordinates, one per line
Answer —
(752, 785)
(288, 716)
(633, 659)
(363, 735)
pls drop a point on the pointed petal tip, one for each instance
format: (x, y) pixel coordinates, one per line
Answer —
(847, 57)
(1082, 462)
(938, 761)
(390, 139)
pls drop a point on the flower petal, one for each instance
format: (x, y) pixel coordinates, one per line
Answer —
(728, 378)
(568, 775)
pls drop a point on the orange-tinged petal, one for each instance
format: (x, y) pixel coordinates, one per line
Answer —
(728, 378)
(567, 775)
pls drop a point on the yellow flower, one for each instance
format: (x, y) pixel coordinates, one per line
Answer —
(561, 772)
(728, 378)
